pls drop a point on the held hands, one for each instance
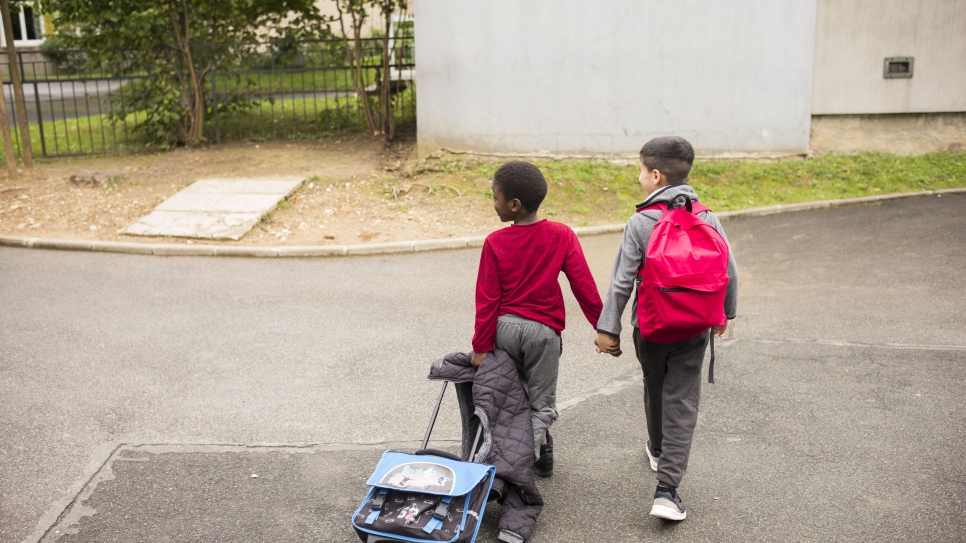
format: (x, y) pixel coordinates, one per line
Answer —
(607, 343)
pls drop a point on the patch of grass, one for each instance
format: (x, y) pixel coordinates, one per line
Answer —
(284, 204)
(330, 79)
(257, 121)
(738, 185)
(598, 192)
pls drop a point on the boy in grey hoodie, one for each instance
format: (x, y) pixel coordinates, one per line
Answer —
(672, 371)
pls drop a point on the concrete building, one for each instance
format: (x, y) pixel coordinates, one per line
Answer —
(758, 77)
(29, 29)
(856, 107)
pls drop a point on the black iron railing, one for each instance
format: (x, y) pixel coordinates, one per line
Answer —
(252, 91)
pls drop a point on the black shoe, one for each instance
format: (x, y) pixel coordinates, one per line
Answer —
(544, 465)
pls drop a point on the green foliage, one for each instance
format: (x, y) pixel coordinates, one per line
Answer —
(55, 49)
(342, 119)
(172, 44)
(159, 106)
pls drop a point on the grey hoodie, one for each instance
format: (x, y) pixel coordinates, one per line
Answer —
(631, 255)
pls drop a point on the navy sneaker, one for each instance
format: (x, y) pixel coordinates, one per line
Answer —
(544, 465)
(653, 455)
(667, 505)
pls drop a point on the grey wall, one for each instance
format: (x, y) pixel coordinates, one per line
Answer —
(576, 77)
(855, 36)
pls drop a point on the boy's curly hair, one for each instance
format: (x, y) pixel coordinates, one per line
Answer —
(670, 155)
(523, 181)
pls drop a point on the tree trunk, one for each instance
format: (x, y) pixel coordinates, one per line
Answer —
(354, 58)
(385, 94)
(360, 70)
(21, 107)
(8, 140)
(196, 106)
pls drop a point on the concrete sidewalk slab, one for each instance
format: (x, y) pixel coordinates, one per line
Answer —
(215, 208)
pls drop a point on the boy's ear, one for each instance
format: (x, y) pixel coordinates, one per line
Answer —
(516, 205)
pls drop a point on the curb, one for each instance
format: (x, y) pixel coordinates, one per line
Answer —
(314, 251)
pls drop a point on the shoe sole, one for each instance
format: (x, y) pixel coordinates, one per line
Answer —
(540, 473)
(651, 459)
(667, 513)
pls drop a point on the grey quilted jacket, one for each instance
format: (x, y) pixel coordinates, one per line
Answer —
(494, 397)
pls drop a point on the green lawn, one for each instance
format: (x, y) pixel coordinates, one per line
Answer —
(736, 185)
(260, 120)
(309, 79)
(92, 134)
(583, 192)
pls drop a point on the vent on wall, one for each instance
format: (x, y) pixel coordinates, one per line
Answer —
(897, 67)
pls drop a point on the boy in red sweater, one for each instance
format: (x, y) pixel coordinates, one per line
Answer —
(519, 304)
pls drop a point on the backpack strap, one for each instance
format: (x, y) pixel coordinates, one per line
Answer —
(661, 206)
(696, 207)
(711, 364)
(378, 501)
(438, 515)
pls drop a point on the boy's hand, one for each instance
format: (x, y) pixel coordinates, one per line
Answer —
(477, 359)
(607, 343)
(719, 331)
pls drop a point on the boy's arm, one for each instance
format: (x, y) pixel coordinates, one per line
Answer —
(627, 263)
(488, 293)
(582, 282)
(731, 294)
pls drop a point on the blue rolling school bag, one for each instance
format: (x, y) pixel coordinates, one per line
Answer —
(427, 496)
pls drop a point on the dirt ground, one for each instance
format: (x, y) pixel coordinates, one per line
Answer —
(354, 192)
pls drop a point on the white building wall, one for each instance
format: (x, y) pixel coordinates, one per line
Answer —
(579, 77)
(853, 38)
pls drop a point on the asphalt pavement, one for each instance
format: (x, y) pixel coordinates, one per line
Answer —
(139, 394)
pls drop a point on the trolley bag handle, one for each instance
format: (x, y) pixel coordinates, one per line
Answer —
(432, 422)
(432, 419)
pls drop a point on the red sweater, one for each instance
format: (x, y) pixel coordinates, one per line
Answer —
(519, 271)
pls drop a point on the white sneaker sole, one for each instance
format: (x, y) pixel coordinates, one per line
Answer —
(651, 459)
(667, 513)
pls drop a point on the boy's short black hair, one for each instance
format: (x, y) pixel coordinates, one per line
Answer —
(523, 181)
(670, 155)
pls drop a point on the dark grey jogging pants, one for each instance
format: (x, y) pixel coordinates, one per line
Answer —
(672, 389)
(536, 349)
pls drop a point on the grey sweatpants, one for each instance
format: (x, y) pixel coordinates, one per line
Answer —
(672, 388)
(536, 349)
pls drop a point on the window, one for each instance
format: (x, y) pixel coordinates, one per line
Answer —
(28, 26)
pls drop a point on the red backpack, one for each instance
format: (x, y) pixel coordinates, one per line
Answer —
(684, 276)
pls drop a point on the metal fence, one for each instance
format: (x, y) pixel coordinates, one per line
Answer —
(253, 91)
